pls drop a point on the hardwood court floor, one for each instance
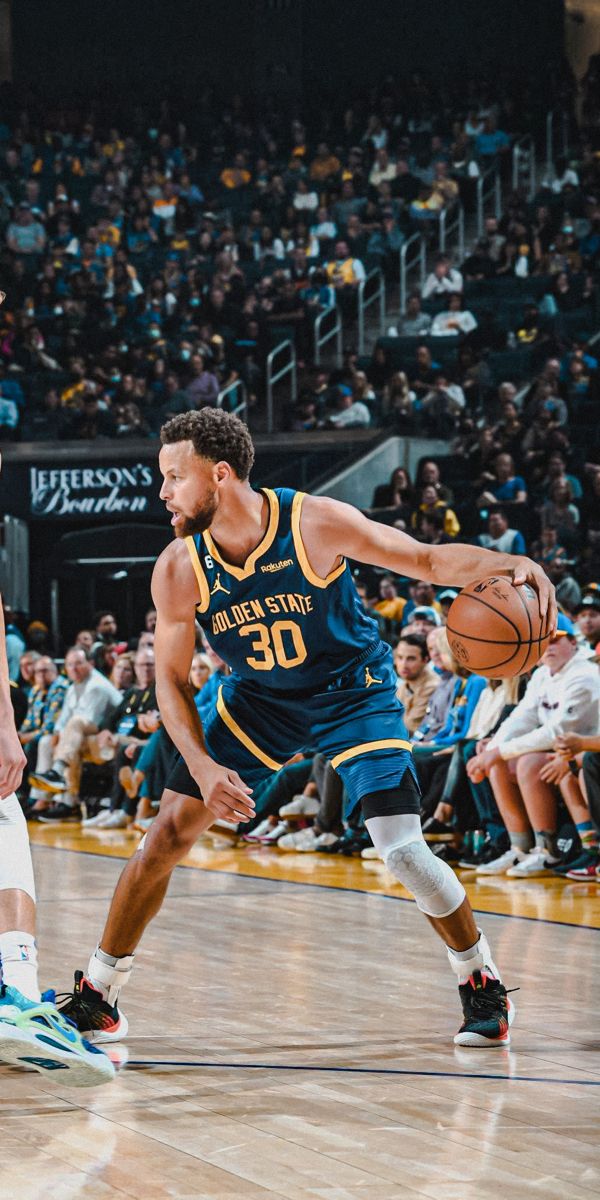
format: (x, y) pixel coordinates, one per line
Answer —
(295, 1041)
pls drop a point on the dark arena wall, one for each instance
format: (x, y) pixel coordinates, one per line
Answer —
(274, 45)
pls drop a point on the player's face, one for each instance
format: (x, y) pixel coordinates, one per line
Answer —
(189, 488)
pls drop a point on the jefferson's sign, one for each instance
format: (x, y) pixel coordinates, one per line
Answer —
(76, 490)
(91, 491)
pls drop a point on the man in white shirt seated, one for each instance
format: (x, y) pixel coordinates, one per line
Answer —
(562, 697)
(443, 279)
(349, 413)
(454, 320)
(89, 702)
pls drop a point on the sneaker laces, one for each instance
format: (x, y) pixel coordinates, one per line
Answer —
(79, 1011)
(485, 999)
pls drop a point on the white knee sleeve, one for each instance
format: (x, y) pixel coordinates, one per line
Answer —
(405, 852)
(16, 867)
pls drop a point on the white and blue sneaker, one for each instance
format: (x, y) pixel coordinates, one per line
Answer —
(38, 1036)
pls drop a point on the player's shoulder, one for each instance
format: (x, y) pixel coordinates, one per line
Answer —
(324, 510)
(174, 573)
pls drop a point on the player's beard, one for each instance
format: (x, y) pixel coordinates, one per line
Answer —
(201, 519)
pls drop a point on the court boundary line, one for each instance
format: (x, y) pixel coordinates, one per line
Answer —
(328, 887)
(396, 1071)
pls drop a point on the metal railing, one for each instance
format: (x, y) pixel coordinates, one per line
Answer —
(523, 165)
(413, 253)
(557, 131)
(376, 285)
(335, 331)
(237, 390)
(452, 221)
(273, 377)
(489, 188)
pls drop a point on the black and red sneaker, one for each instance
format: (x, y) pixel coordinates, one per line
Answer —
(487, 1010)
(95, 1018)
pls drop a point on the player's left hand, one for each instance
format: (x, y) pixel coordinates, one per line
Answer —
(526, 570)
(12, 762)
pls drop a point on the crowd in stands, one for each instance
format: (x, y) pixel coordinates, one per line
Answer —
(148, 262)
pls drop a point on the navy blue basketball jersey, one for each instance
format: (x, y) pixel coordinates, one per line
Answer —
(274, 621)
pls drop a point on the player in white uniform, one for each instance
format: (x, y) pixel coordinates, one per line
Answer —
(32, 1030)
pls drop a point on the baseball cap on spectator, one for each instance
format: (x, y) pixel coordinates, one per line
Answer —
(425, 613)
(590, 601)
(564, 627)
(449, 594)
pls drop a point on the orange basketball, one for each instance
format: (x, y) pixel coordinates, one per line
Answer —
(495, 628)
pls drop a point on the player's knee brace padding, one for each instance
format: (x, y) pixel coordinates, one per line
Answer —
(16, 868)
(435, 887)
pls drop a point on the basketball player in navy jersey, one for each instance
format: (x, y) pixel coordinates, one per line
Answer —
(265, 574)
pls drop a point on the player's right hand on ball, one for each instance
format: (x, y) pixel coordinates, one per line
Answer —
(12, 762)
(224, 793)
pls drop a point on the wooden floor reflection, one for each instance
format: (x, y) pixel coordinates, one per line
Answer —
(292, 1040)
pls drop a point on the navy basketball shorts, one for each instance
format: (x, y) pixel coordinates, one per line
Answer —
(356, 722)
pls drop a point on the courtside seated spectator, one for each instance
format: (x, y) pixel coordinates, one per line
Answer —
(129, 726)
(88, 704)
(432, 756)
(587, 616)
(416, 679)
(562, 697)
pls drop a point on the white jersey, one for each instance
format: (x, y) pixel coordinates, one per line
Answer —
(566, 702)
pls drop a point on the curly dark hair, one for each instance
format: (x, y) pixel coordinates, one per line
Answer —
(214, 434)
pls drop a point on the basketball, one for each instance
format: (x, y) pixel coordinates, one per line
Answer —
(495, 628)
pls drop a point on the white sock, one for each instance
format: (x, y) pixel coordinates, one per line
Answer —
(18, 963)
(476, 958)
(108, 975)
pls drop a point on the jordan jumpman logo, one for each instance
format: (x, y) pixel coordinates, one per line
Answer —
(369, 679)
(218, 586)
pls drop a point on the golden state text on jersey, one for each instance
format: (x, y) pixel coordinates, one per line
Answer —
(274, 620)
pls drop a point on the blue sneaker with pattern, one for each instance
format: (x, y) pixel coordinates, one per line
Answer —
(38, 1036)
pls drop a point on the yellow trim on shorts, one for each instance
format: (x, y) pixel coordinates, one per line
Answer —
(199, 573)
(367, 747)
(242, 737)
(301, 554)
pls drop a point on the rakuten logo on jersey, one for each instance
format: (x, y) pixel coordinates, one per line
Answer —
(278, 566)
